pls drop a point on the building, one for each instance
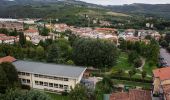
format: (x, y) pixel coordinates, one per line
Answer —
(31, 33)
(49, 77)
(161, 82)
(7, 59)
(8, 39)
(106, 30)
(12, 26)
(133, 94)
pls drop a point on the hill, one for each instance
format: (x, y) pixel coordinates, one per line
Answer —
(159, 10)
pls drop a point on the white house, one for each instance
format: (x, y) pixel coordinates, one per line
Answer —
(31, 32)
(49, 77)
(7, 39)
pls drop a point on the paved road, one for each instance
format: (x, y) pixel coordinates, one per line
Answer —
(164, 54)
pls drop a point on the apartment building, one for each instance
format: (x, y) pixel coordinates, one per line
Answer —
(12, 25)
(49, 77)
(8, 39)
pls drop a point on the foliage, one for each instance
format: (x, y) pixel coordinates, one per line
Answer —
(94, 52)
(22, 39)
(78, 93)
(138, 62)
(9, 76)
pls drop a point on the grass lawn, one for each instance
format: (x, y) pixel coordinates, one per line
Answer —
(122, 62)
(57, 96)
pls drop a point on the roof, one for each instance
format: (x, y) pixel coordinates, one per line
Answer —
(1, 34)
(119, 96)
(105, 29)
(133, 94)
(162, 73)
(66, 71)
(31, 31)
(7, 59)
(166, 90)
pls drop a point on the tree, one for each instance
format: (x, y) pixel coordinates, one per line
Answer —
(132, 56)
(164, 44)
(40, 53)
(167, 37)
(138, 62)
(78, 93)
(53, 54)
(16, 94)
(94, 52)
(143, 74)
(132, 72)
(11, 73)
(3, 80)
(22, 39)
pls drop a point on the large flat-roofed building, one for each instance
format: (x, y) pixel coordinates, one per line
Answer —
(50, 77)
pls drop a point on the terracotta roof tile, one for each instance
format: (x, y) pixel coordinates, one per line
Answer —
(162, 73)
(31, 31)
(7, 59)
(119, 96)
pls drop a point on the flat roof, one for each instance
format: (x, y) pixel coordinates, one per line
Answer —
(65, 71)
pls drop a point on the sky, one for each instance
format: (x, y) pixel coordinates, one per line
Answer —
(121, 2)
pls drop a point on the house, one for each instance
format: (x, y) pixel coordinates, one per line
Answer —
(106, 30)
(31, 33)
(8, 39)
(161, 82)
(133, 94)
(7, 59)
(12, 25)
(50, 77)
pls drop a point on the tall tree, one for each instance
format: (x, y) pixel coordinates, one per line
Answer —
(94, 52)
(53, 54)
(40, 53)
(22, 39)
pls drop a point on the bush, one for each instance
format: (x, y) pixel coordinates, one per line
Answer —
(138, 62)
(26, 87)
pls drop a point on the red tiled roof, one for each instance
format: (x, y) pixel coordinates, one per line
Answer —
(7, 38)
(31, 31)
(139, 95)
(132, 95)
(105, 29)
(1, 34)
(7, 59)
(162, 73)
(119, 96)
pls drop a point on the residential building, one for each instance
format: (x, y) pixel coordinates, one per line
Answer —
(106, 30)
(8, 39)
(49, 77)
(161, 82)
(7, 59)
(12, 25)
(133, 94)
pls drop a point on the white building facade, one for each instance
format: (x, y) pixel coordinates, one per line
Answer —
(49, 77)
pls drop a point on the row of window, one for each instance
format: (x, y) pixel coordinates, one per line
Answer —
(25, 81)
(61, 86)
(23, 73)
(51, 77)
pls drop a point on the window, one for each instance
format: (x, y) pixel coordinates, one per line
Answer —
(36, 83)
(60, 86)
(50, 84)
(24, 81)
(28, 81)
(19, 73)
(35, 75)
(56, 85)
(56, 78)
(41, 76)
(22, 73)
(45, 84)
(50, 77)
(41, 83)
(61, 79)
(65, 79)
(27, 74)
(66, 87)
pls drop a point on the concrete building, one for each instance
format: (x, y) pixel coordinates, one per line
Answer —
(49, 77)
(12, 25)
(8, 39)
(161, 82)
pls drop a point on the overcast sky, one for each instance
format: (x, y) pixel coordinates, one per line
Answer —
(121, 2)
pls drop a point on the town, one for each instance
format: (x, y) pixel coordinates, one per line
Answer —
(85, 57)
